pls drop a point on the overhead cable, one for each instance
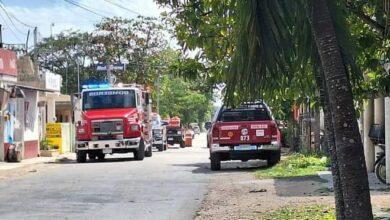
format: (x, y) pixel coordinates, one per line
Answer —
(85, 8)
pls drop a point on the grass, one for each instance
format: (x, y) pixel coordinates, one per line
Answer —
(309, 212)
(294, 165)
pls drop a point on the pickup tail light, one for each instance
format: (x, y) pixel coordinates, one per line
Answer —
(215, 132)
(274, 132)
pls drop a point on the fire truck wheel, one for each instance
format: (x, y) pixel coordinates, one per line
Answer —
(149, 152)
(92, 156)
(81, 157)
(215, 162)
(101, 156)
(140, 153)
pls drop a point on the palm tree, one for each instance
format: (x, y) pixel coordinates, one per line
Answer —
(275, 35)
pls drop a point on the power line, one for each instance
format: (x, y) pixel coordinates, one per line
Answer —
(12, 15)
(12, 22)
(85, 8)
(123, 7)
(12, 31)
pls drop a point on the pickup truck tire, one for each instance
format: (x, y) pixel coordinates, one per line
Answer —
(273, 159)
(149, 152)
(140, 153)
(81, 157)
(165, 146)
(160, 147)
(215, 162)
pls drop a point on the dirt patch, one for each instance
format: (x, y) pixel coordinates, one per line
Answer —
(238, 195)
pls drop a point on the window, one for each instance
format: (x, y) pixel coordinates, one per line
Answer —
(104, 99)
(245, 115)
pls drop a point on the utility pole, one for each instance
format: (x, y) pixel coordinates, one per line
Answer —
(1, 36)
(52, 44)
(158, 93)
(78, 78)
(36, 50)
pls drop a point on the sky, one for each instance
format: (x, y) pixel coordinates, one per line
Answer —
(64, 16)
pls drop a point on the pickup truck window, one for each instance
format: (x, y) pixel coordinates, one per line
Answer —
(245, 115)
(108, 99)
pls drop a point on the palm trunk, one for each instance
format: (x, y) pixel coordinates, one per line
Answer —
(349, 147)
(329, 139)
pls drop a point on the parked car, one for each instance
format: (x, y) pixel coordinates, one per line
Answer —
(244, 133)
(159, 130)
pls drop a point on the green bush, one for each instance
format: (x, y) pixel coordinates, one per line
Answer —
(295, 165)
(308, 212)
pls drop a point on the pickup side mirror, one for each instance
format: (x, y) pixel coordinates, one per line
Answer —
(207, 125)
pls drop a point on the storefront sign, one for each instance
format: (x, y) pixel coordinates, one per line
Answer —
(53, 130)
(8, 62)
(53, 81)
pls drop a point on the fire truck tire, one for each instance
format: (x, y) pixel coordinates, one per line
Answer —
(215, 162)
(92, 156)
(149, 152)
(101, 156)
(140, 153)
(274, 159)
(81, 157)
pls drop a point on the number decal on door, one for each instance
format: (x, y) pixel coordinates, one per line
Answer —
(244, 137)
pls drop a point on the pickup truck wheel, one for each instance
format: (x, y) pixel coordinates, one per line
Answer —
(160, 147)
(81, 157)
(273, 159)
(182, 145)
(165, 146)
(149, 152)
(215, 162)
(140, 153)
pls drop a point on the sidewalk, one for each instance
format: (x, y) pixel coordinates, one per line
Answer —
(5, 166)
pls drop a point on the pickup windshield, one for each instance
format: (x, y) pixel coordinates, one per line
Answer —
(104, 99)
(234, 115)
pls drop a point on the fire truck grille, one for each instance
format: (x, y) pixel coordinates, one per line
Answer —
(107, 127)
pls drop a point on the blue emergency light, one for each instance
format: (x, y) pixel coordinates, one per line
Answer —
(97, 86)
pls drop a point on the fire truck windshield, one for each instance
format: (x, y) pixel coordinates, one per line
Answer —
(107, 99)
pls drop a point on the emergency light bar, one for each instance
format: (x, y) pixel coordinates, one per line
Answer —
(96, 86)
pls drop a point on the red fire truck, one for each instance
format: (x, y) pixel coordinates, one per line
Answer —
(175, 133)
(114, 119)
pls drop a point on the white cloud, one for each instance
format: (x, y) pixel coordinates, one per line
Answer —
(66, 16)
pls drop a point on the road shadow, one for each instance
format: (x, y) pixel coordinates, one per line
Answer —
(106, 160)
(302, 186)
(226, 167)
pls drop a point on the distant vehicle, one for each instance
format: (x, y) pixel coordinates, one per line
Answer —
(114, 119)
(175, 133)
(244, 133)
(195, 128)
(159, 130)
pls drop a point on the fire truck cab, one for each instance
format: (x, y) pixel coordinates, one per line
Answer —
(114, 119)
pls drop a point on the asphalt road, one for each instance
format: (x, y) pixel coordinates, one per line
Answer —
(170, 185)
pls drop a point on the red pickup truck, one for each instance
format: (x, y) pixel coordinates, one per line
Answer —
(244, 133)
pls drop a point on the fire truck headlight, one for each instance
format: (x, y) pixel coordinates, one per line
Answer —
(134, 128)
(81, 131)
